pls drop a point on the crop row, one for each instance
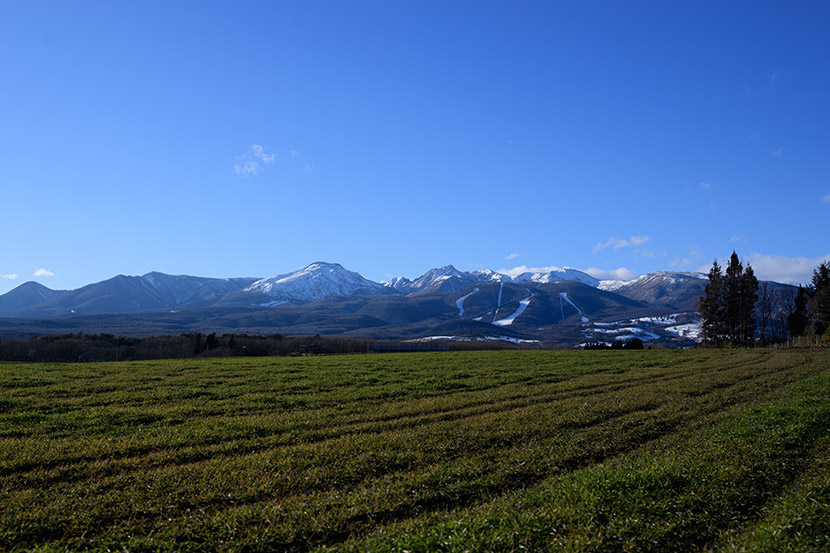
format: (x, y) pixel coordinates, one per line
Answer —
(392, 449)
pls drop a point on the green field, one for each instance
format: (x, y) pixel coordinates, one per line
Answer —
(464, 451)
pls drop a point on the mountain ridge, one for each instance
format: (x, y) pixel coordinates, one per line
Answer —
(558, 307)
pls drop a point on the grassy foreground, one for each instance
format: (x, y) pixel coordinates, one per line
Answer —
(467, 451)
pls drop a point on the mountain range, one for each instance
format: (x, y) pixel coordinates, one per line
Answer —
(561, 307)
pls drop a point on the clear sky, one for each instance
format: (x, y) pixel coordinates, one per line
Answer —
(252, 138)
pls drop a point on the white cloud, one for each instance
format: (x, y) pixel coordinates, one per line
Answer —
(247, 168)
(293, 153)
(619, 243)
(43, 273)
(705, 185)
(736, 238)
(308, 167)
(10, 276)
(680, 262)
(614, 274)
(513, 256)
(826, 199)
(790, 270)
(776, 153)
(259, 152)
(249, 161)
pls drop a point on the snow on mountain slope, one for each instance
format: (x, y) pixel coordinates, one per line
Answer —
(459, 303)
(564, 296)
(436, 276)
(449, 279)
(557, 275)
(397, 283)
(519, 310)
(651, 279)
(318, 280)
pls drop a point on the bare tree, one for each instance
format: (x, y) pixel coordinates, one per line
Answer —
(766, 306)
(784, 309)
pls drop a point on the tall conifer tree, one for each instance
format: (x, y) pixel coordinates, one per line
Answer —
(749, 297)
(727, 305)
(821, 297)
(710, 306)
(733, 297)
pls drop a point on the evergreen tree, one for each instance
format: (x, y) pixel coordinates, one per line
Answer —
(728, 304)
(821, 297)
(710, 306)
(748, 299)
(733, 298)
(798, 318)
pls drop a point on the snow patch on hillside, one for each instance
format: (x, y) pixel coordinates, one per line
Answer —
(522, 306)
(564, 296)
(459, 303)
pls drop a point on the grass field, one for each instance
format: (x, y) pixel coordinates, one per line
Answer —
(464, 451)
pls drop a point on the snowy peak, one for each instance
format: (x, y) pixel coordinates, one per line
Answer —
(397, 283)
(678, 289)
(318, 280)
(436, 275)
(556, 275)
(450, 279)
(651, 279)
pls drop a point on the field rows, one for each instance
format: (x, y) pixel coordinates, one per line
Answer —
(418, 452)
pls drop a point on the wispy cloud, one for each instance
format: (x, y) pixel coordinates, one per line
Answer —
(246, 168)
(43, 273)
(776, 153)
(705, 185)
(826, 199)
(790, 270)
(680, 262)
(619, 243)
(651, 254)
(249, 162)
(736, 238)
(10, 276)
(259, 153)
(513, 256)
(689, 260)
(614, 274)
(768, 87)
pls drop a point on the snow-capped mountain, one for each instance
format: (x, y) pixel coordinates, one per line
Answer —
(318, 280)
(557, 306)
(397, 283)
(449, 279)
(557, 275)
(675, 288)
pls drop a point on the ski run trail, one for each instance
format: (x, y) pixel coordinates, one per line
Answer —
(564, 296)
(522, 306)
(459, 303)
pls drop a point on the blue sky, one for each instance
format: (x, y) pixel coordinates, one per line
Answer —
(252, 138)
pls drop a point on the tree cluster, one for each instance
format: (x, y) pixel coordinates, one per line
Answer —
(728, 304)
(734, 306)
(633, 343)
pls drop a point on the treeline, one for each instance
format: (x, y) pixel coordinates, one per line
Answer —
(633, 343)
(79, 348)
(737, 310)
